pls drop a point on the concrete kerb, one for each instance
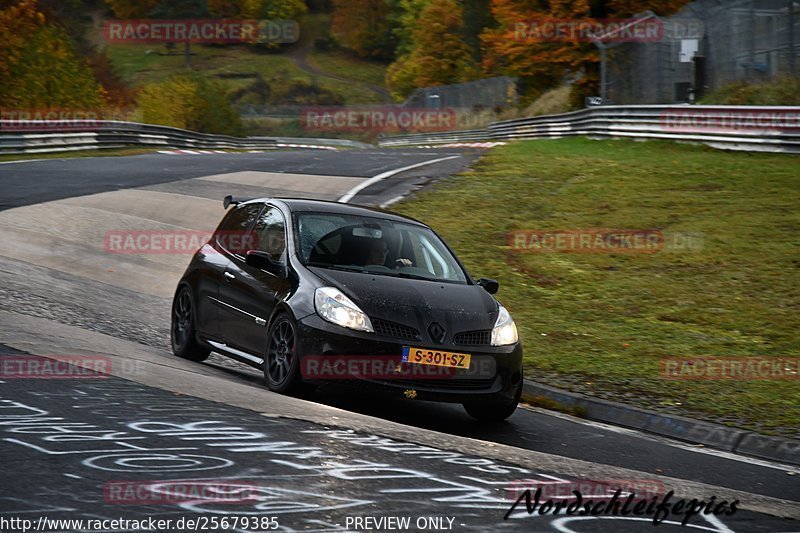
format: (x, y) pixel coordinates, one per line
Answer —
(681, 428)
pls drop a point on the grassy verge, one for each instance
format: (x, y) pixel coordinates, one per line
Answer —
(780, 91)
(233, 66)
(80, 153)
(601, 323)
(145, 63)
(346, 65)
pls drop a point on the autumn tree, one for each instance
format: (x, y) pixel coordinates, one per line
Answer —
(510, 49)
(181, 9)
(405, 18)
(627, 8)
(132, 9)
(225, 8)
(38, 64)
(477, 17)
(190, 103)
(258, 9)
(364, 26)
(539, 64)
(116, 93)
(17, 23)
(439, 54)
(275, 9)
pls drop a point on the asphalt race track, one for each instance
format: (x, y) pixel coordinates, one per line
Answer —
(315, 465)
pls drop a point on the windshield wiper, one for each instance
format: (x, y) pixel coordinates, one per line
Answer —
(335, 267)
(406, 275)
(390, 273)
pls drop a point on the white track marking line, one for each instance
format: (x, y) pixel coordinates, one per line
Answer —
(20, 161)
(669, 442)
(361, 186)
(394, 200)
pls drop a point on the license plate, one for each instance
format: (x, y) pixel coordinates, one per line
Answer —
(423, 356)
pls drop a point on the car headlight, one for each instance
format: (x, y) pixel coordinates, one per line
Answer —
(505, 331)
(335, 307)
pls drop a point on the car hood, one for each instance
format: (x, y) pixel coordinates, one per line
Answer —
(417, 303)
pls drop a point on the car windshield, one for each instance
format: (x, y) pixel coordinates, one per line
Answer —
(374, 245)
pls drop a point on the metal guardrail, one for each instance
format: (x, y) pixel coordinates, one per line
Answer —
(342, 143)
(748, 128)
(17, 137)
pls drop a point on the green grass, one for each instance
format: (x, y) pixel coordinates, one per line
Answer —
(111, 152)
(142, 63)
(346, 65)
(779, 91)
(601, 323)
(139, 64)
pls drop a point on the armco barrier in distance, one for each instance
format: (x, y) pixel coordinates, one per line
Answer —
(747, 128)
(95, 134)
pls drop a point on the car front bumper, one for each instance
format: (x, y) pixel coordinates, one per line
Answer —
(326, 349)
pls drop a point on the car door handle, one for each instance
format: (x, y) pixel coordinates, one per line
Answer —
(229, 276)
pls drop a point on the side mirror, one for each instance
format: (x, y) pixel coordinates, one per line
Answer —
(264, 261)
(489, 285)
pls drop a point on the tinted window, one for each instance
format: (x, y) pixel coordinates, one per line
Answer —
(232, 232)
(269, 234)
(376, 246)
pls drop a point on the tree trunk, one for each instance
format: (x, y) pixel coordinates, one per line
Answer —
(187, 54)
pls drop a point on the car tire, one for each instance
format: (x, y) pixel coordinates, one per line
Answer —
(281, 360)
(182, 329)
(492, 412)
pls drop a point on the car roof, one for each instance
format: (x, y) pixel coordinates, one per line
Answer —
(296, 205)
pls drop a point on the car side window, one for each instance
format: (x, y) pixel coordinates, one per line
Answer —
(269, 234)
(232, 234)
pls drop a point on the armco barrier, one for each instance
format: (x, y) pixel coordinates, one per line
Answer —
(749, 128)
(40, 137)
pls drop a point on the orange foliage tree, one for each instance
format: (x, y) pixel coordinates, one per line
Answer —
(132, 9)
(509, 48)
(364, 27)
(439, 54)
(38, 64)
(225, 8)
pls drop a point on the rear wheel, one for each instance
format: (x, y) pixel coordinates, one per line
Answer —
(182, 331)
(493, 412)
(281, 362)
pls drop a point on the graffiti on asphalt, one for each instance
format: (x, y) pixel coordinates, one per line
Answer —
(192, 438)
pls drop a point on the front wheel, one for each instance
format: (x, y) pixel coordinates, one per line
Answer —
(182, 330)
(492, 412)
(281, 363)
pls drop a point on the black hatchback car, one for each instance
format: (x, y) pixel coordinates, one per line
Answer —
(317, 292)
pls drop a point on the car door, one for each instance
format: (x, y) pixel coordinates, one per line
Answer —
(227, 244)
(249, 293)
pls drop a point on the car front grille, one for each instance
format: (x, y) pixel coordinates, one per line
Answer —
(393, 329)
(474, 338)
